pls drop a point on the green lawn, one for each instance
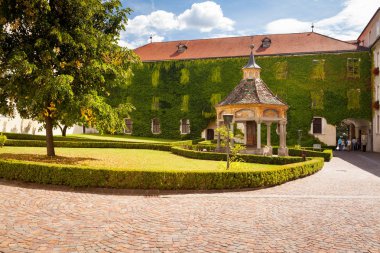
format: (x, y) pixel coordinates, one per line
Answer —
(123, 159)
(121, 138)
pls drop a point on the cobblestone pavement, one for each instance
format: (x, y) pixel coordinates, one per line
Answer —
(334, 210)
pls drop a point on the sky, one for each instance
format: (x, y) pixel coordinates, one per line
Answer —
(168, 20)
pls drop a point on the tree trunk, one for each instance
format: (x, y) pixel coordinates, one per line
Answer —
(63, 130)
(84, 129)
(49, 136)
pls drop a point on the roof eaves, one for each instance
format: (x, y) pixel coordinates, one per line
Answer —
(360, 49)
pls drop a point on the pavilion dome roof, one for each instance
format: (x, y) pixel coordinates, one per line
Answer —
(251, 91)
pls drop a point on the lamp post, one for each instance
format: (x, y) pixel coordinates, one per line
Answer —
(299, 136)
(227, 121)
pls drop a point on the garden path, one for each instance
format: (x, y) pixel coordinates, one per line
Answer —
(334, 210)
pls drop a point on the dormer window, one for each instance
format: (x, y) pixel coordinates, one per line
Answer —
(266, 42)
(181, 48)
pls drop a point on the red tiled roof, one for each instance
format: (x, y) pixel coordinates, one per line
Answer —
(294, 43)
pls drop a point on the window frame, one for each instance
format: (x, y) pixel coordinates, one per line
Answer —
(128, 130)
(353, 68)
(320, 125)
(156, 126)
(185, 126)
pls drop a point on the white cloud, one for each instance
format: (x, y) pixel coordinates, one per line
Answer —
(346, 25)
(204, 17)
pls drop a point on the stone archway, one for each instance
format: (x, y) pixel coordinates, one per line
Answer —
(358, 129)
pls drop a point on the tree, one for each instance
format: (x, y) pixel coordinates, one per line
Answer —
(54, 55)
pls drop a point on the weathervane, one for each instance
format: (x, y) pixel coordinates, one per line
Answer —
(312, 27)
(151, 38)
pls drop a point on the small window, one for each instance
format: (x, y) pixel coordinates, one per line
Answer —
(266, 42)
(181, 48)
(353, 65)
(317, 125)
(156, 128)
(128, 126)
(318, 71)
(185, 126)
(155, 103)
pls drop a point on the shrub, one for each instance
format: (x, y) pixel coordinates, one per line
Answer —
(90, 144)
(75, 176)
(3, 139)
(243, 157)
(327, 154)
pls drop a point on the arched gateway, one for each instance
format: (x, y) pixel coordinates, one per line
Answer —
(252, 103)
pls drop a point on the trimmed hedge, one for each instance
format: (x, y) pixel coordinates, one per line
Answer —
(75, 176)
(280, 160)
(326, 154)
(90, 144)
(16, 136)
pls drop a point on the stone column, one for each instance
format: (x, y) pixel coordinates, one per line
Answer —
(268, 134)
(232, 131)
(282, 150)
(258, 135)
(218, 137)
(245, 132)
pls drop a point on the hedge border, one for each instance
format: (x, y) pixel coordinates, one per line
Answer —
(90, 144)
(75, 176)
(204, 155)
(93, 144)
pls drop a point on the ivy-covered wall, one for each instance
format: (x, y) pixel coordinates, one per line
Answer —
(323, 85)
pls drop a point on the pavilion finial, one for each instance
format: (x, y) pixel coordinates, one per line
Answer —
(252, 46)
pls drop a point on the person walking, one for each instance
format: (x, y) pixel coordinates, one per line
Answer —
(354, 144)
(340, 142)
(348, 145)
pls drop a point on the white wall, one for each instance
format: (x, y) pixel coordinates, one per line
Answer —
(328, 135)
(376, 97)
(27, 126)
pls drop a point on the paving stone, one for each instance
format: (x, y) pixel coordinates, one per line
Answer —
(334, 210)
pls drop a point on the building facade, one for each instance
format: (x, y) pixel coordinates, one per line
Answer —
(370, 38)
(324, 81)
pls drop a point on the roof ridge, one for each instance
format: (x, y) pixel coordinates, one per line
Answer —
(229, 37)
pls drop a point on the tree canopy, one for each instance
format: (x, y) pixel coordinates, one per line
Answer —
(60, 59)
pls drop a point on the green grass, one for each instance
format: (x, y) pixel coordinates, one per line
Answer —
(127, 138)
(124, 159)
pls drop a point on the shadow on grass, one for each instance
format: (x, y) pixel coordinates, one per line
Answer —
(46, 159)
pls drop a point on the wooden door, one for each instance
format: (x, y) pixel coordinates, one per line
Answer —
(251, 133)
(210, 134)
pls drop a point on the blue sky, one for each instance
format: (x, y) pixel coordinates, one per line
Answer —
(188, 19)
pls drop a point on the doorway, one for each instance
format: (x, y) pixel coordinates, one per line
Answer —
(210, 134)
(251, 133)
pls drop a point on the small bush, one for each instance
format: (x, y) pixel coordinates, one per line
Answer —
(3, 139)
(242, 157)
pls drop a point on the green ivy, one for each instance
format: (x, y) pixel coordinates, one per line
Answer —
(296, 90)
(281, 70)
(185, 103)
(318, 71)
(215, 75)
(155, 103)
(185, 76)
(155, 77)
(353, 97)
(317, 99)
